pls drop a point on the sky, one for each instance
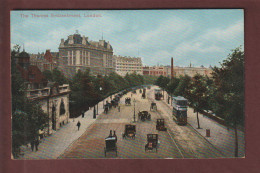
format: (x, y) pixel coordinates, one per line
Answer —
(200, 37)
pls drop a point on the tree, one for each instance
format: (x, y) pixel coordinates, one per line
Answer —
(55, 76)
(172, 85)
(182, 86)
(229, 97)
(196, 94)
(27, 116)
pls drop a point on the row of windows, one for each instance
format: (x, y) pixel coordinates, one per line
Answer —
(129, 64)
(85, 54)
(128, 70)
(129, 67)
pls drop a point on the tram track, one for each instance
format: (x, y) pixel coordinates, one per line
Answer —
(194, 130)
(173, 140)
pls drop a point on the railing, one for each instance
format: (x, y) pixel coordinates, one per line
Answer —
(45, 91)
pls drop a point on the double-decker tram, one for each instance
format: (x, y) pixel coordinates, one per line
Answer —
(180, 109)
(158, 94)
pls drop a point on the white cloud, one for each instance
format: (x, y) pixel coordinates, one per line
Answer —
(226, 34)
(211, 42)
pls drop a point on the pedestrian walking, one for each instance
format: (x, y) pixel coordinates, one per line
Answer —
(36, 144)
(118, 108)
(78, 124)
(82, 114)
(32, 145)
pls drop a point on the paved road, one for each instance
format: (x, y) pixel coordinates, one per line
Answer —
(176, 142)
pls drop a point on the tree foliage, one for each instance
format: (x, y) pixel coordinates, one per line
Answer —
(55, 76)
(229, 88)
(27, 116)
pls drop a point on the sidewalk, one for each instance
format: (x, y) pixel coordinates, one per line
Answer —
(51, 147)
(220, 136)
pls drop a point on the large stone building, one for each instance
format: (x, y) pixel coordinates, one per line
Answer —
(79, 53)
(124, 65)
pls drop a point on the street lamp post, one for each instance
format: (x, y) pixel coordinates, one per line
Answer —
(97, 108)
(94, 112)
(134, 109)
(101, 90)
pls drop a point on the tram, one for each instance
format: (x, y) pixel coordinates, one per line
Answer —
(158, 94)
(180, 109)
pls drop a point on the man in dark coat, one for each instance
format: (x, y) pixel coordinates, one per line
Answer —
(78, 124)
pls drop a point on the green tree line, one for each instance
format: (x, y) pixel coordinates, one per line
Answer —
(222, 94)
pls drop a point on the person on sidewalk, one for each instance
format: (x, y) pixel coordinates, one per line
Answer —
(32, 145)
(78, 124)
(82, 114)
(118, 108)
(36, 144)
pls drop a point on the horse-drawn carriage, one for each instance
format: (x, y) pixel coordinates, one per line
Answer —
(153, 107)
(144, 115)
(110, 143)
(130, 131)
(127, 101)
(160, 126)
(152, 142)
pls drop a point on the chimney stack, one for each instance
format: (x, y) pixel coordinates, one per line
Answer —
(172, 75)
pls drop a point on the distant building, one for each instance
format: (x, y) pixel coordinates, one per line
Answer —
(79, 53)
(124, 65)
(45, 61)
(192, 71)
(155, 70)
(178, 71)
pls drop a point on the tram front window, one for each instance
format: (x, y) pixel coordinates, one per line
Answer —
(182, 103)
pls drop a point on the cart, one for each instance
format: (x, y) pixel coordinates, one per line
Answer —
(152, 142)
(160, 126)
(130, 131)
(110, 145)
